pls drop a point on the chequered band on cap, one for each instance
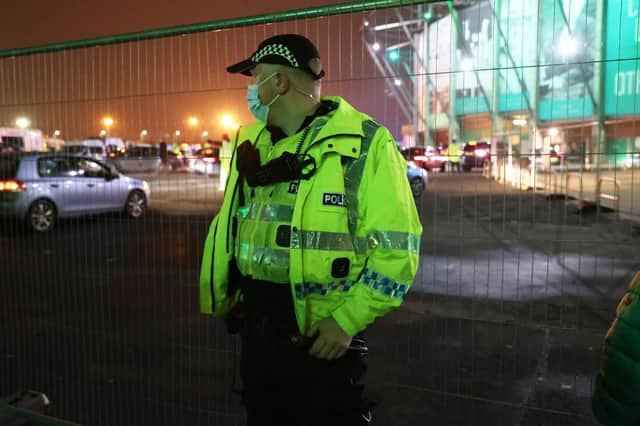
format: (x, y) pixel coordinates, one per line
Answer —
(276, 49)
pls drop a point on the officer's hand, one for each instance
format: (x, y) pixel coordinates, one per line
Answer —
(331, 341)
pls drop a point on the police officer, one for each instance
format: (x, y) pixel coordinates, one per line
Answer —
(317, 237)
(453, 155)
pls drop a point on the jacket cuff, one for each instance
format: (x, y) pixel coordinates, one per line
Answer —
(347, 320)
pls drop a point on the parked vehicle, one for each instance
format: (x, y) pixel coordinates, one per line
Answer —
(42, 188)
(20, 140)
(205, 161)
(138, 158)
(428, 158)
(175, 161)
(475, 154)
(418, 178)
(96, 148)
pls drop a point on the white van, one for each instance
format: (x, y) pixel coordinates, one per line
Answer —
(19, 140)
(95, 147)
(139, 158)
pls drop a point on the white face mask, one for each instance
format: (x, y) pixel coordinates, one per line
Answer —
(257, 108)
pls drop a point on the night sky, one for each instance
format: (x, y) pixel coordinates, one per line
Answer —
(157, 84)
(36, 22)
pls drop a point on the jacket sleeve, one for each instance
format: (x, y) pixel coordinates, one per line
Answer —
(206, 270)
(214, 268)
(389, 221)
(616, 398)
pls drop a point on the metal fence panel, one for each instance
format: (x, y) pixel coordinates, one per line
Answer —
(527, 247)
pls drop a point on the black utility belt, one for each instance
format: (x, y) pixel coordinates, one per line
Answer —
(260, 294)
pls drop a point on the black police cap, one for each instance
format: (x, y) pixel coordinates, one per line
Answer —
(291, 50)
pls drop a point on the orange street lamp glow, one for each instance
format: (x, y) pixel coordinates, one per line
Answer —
(227, 120)
(107, 121)
(193, 121)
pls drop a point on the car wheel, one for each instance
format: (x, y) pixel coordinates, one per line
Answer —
(41, 216)
(417, 186)
(136, 204)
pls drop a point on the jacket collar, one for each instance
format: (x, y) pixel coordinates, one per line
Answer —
(344, 120)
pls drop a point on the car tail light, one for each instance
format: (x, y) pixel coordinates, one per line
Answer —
(11, 186)
(481, 153)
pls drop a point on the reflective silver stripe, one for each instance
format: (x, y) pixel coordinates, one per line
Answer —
(305, 289)
(353, 173)
(270, 212)
(270, 256)
(319, 124)
(393, 240)
(319, 240)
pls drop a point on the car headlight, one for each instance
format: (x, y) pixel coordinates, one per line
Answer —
(145, 185)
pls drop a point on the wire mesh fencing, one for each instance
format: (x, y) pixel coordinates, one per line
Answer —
(520, 124)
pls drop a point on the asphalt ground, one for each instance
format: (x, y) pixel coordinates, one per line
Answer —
(502, 327)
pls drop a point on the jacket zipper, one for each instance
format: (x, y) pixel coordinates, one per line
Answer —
(213, 250)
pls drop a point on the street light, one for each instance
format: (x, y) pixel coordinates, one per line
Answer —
(567, 46)
(428, 14)
(553, 132)
(108, 122)
(23, 122)
(466, 64)
(226, 120)
(193, 121)
(375, 46)
(143, 133)
(56, 133)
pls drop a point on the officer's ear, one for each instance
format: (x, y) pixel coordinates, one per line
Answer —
(282, 82)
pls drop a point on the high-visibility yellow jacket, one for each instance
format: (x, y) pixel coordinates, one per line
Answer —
(453, 152)
(354, 231)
